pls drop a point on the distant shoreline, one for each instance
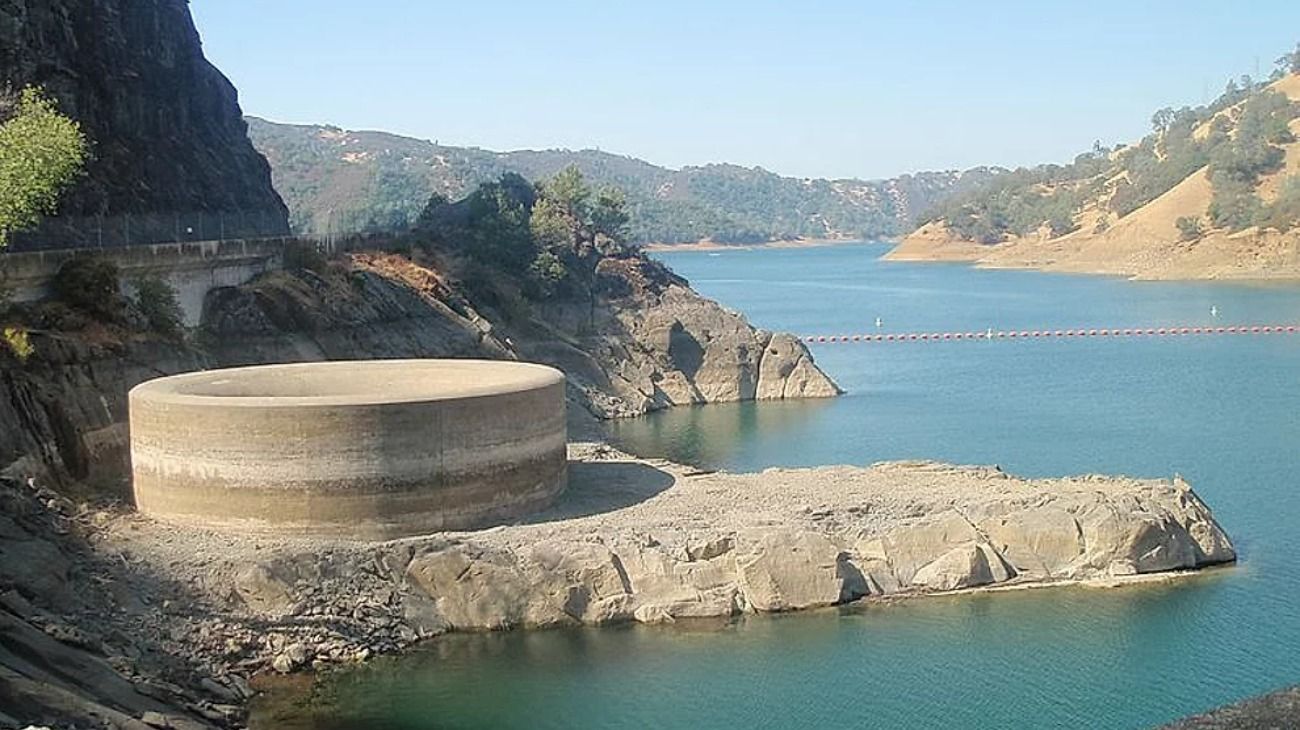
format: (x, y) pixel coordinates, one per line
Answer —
(788, 243)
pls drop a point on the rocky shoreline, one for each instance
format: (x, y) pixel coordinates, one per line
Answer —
(1274, 710)
(166, 625)
(1140, 254)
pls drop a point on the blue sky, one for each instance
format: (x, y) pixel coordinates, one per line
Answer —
(828, 89)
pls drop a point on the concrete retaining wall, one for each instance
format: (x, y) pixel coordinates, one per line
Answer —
(371, 449)
(192, 269)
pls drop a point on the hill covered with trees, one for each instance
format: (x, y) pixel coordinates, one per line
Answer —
(1212, 191)
(339, 180)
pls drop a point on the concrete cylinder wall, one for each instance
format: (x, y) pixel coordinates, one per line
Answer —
(373, 449)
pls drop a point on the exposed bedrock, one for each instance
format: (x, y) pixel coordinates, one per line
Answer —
(1072, 536)
(634, 543)
(110, 614)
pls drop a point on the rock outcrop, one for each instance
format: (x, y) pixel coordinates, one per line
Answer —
(1014, 533)
(63, 412)
(167, 131)
(1274, 710)
(81, 642)
(653, 342)
(645, 542)
(146, 620)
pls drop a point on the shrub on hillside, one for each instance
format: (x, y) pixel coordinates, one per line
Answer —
(546, 275)
(1233, 203)
(1189, 228)
(18, 343)
(157, 301)
(1284, 212)
(1237, 164)
(41, 153)
(90, 284)
(304, 256)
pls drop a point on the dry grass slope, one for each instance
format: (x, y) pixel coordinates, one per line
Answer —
(1145, 244)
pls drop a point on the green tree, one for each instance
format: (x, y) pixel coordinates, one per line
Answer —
(551, 224)
(1290, 62)
(1162, 119)
(570, 190)
(609, 216)
(547, 273)
(1189, 228)
(1236, 163)
(562, 215)
(41, 152)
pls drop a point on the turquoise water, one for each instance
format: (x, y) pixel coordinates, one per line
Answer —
(1222, 411)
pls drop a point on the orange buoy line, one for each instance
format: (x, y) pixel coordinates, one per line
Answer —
(1265, 329)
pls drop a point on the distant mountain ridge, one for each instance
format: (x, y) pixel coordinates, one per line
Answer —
(339, 180)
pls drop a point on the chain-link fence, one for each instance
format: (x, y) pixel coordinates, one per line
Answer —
(130, 229)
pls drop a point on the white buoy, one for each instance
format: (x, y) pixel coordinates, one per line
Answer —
(879, 323)
(1214, 311)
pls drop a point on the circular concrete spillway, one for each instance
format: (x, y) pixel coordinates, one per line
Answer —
(370, 449)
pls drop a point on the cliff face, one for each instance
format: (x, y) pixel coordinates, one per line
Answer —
(167, 131)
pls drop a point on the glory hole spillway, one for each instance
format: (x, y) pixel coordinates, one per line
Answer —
(367, 450)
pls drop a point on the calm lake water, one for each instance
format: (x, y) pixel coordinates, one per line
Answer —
(1222, 411)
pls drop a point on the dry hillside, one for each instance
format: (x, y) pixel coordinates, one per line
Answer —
(1147, 242)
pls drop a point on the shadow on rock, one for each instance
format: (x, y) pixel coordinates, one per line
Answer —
(605, 486)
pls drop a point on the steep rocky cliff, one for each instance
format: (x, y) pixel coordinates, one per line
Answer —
(167, 131)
